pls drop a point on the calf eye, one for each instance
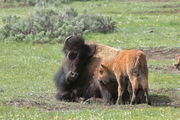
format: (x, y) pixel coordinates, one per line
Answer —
(101, 72)
(72, 55)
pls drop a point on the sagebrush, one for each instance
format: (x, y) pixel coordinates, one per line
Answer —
(49, 26)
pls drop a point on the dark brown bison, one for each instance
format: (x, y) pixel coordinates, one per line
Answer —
(129, 70)
(77, 55)
(75, 76)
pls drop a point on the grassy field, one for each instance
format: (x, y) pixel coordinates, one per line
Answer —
(26, 70)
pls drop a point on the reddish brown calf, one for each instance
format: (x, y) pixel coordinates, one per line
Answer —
(129, 69)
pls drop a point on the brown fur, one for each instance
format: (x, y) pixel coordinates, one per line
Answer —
(104, 52)
(82, 59)
(77, 55)
(178, 63)
(89, 86)
(129, 70)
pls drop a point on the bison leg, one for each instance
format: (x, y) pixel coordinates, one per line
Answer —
(147, 98)
(120, 91)
(107, 97)
(66, 96)
(144, 84)
(93, 100)
(134, 83)
(129, 88)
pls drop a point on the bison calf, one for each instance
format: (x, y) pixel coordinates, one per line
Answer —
(129, 69)
(178, 64)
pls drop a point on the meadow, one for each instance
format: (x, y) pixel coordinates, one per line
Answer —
(26, 70)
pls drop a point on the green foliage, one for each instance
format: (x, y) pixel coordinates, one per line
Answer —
(44, 2)
(48, 25)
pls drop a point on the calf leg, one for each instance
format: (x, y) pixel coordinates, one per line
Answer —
(120, 91)
(144, 84)
(147, 98)
(134, 83)
(129, 90)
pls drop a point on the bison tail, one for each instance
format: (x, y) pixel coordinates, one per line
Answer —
(140, 64)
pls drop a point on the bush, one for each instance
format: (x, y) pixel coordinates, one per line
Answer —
(49, 26)
(44, 2)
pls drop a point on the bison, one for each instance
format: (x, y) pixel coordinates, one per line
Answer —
(129, 70)
(178, 64)
(75, 79)
(77, 54)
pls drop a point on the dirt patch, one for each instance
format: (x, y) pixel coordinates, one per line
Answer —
(162, 53)
(158, 12)
(37, 104)
(45, 102)
(15, 5)
(164, 69)
(162, 97)
(153, 0)
(165, 97)
(168, 6)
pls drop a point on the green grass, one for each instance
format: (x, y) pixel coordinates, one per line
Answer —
(26, 75)
(133, 26)
(163, 80)
(162, 62)
(26, 70)
(91, 114)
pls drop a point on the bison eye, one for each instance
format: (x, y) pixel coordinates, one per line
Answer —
(72, 55)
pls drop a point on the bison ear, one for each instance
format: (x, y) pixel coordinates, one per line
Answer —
(92, 50)
(103, 66)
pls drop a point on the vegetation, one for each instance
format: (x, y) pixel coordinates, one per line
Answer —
(48, 26)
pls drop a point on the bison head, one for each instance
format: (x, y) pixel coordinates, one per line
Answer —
(77, 54)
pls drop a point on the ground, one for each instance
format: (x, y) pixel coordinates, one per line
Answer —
(26, 70)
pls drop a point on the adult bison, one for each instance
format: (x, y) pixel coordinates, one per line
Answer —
(75, 79)
(77, 55)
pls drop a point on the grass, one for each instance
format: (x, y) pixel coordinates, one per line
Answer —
(162, 62)
(26, 70)
(27, 89)
(98, 114)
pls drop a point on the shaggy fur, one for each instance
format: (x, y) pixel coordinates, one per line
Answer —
(82, 59)
(129, 69)
(77, 55)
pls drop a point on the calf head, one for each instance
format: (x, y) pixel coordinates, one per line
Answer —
(177, 66)
(77, 54)
(103, 74)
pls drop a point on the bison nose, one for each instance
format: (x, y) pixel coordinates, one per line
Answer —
(74, 74)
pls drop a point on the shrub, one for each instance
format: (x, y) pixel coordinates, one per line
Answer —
(44, 2)
(49, 26)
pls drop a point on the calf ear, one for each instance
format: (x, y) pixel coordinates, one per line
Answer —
(103, 66)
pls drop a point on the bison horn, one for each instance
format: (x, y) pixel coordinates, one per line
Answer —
(66, 40)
